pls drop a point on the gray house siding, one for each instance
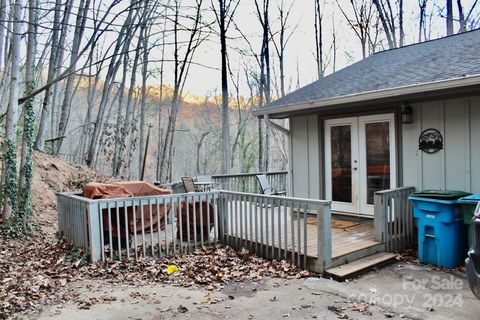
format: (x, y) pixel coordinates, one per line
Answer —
(457, 166)
(305, 158)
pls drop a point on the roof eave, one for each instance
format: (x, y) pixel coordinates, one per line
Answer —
(363, 97)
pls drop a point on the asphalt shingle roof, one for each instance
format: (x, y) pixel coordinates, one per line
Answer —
(442, 59)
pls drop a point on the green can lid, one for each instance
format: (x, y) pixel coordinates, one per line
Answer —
(441, 194)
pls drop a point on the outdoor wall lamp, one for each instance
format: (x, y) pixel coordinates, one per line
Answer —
(406, 114)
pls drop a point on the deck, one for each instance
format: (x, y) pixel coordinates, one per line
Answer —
(278, 228)
(349, 234)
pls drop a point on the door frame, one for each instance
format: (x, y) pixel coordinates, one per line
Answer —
(359, 177)
(353, 122)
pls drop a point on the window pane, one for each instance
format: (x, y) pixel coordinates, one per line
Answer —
(341, 142)
(378, 158)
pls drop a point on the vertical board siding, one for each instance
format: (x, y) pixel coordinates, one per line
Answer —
(432, 164)
(455, 139)
(475, 144)
(305, 157)
(456, 166)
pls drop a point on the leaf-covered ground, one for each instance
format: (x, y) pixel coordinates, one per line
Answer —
(35, 272)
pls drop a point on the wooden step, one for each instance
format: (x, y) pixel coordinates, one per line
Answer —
(360, 266)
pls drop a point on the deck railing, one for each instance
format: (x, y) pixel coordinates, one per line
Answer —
(139, 226)
(394, 223)
(277, 228)
(247, 182)
(127, 228)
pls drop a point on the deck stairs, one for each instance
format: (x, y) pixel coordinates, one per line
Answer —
(362, 265)
(363, 255)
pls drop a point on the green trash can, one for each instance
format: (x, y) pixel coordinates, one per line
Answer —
(468, 207)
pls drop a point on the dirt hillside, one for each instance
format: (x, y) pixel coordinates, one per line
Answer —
(52, 175)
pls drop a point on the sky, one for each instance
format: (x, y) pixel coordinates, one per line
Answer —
(301, 47)
(204, 77)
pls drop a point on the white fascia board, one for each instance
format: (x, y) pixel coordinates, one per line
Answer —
(375, 95)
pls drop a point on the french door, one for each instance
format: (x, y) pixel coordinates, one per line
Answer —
(359, 160)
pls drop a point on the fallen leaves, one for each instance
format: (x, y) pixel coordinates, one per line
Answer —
(33, 269)
(36, 272)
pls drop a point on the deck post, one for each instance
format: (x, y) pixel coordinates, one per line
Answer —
(324, 238)
(222, 213)
(380, 218)
(95, 236)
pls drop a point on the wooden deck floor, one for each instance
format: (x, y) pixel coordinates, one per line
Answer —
(279, 227)
(354, 238)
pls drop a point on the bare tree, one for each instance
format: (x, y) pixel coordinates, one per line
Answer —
(423, 17)
(144, 36)
(26, 174)
(283, 39)
(68, 91)
(224, 16)
(319, 38)
(45, 112)
(3, 15)
(10, 155)
(264, 82)
(107, 87)
(362, 21)
(181, 68)
(388, 16)
(449, 20)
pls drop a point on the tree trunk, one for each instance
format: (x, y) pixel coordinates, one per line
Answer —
(449, 17)
(160, 131)
(67, 100)
(318, 39)
(226, 163)
(461, 17)
(57, 88)
(107, 88)
(400, 23)
(3, 16)
(10, 155)
(25, 175)
(144, 35)
(42, 126)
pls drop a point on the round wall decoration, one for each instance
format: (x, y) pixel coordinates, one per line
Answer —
(430, 141)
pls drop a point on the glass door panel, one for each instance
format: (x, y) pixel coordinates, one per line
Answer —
(378, 158)
(341, 152)
(341, 163)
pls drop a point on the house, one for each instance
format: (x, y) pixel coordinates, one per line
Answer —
(364, 137)
(403, 117)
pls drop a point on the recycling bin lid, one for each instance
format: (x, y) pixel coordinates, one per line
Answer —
(441, 194)
(472, 199)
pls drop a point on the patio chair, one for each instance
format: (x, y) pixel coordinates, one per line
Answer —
(188, 184)
(266, 188)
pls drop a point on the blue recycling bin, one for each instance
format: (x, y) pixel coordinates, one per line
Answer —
(441, 232)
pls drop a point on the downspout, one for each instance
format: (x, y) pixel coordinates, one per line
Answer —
(275, 126)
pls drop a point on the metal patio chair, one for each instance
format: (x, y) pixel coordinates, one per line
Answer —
(266, 188)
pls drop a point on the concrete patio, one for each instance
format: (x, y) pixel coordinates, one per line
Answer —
(400, 291)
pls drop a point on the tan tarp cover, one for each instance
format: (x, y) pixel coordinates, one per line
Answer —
(105, 191)
(125, 190)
